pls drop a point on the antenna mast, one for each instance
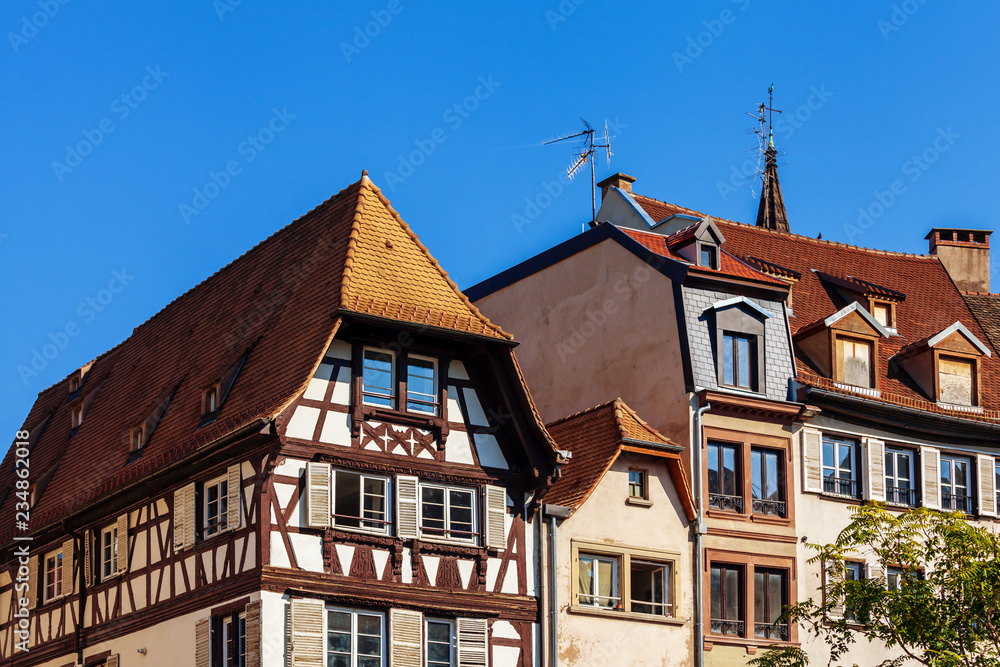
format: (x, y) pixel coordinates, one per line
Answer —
(586, 154)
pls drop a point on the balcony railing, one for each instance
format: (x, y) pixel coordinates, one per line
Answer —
(769, 507)
(842, 487)
(898, 495)
(777, 631)
(956, 502)
(720, 627)
(727, 503)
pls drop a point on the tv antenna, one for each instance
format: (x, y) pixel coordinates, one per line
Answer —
(587, 150)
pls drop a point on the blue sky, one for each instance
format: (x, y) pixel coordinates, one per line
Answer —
(149, 144)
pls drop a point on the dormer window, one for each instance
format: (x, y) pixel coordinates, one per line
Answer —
(421, 385)
(739, 343)
(946, 366)
(854, 361)
(883, 313)
(76, 416)
(708, 256)
(845, 348)
(377, 378)
(210, 400)
(956, 380)
(74, 384)
(739, 360)
(137, 438)
(407, 382)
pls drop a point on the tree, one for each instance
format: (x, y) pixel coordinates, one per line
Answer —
(939, 606)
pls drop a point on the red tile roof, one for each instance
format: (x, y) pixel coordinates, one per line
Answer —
(986, 308)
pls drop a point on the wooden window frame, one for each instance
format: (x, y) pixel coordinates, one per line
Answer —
(741, 320)
(745, 444)
(452, 639)
(856, 466)
(750, 563)
(76, 416)
(973, 362)
(643, 484)
(730, 338)
(891, 305)
(383, 639)
(436, 404)
(220, 645)
(57, 557)
(223, 523)
(892, 450)
(474, 539)
(394, 396)
(714, 252)
(838, 358)
(112, 531)
(970, 485)
(389, 499)
(139, 430)
(207, 410)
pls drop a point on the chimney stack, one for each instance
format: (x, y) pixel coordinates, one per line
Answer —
(965, 254)
(619, 180)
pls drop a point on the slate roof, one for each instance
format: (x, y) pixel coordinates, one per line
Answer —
(281, 299)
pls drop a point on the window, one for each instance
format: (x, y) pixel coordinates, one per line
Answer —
(899, 481)
(637, 484)
(707, 256)
(955, 482)
(74, 384)
(53, 575)
(216, 503)
(230, 633)
(996, 467)
(137, 440)
(109, 552)
(739, 361)
(882, 312)
(361, 501)
(855, 361)
(650, 588)
(440, 643)
(378, 379)
(354, 639)
(727, 605)
(767, 482)
(448, 512)
(724, 490)
(210, 401)
(421, 385)
(840, 466)
(956, 381)
(76, 416)
(853, 571)
(598, 582)
(769, 601)
(894, 578)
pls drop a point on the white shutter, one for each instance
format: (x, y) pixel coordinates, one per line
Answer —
(234, 494)
(471, 642)
(122, 556)
(875, 451)
(930, 465)
(496, 512)
(88, 566)
(874, 571)
(812, 461)
(406, 638)
(184, 517)
(67, 571)
(202, 642)
(987, 486)
(307, 633)
(253, 634)
(318, 495)
(112, 660)
(33, 582)
(835, 575)
(407, 522)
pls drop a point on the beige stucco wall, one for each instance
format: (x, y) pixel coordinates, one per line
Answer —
(591, 641)
(571, 319)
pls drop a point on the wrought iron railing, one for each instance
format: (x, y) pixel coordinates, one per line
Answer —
(956, 502)
(769, 507)
(898, 495)
(842, 487)
(722, 627)
(727, 503)
(777, 631)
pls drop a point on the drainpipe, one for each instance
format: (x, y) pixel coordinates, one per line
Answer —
(554, 512)
(699, 580)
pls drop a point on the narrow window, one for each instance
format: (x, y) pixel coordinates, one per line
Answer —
(53, 576)
(77, 416)
(598, 582)
(137, 438)
(882, 312)
(855, 355)
(899, 486)
(650, 588)
(708, 255)
(211, 400)
(440, 644)
(955, 484)
(894, 578)
(956, 381)
(74, 384)
(421, 385)
(853, 571)
(767, 482)
(378, 379)
(109, 552)
(727, 607)
(739, 365)
(216, 506)
(768, 603)
(354, 639)
(996, 468)
(229, 640)
(637, 484)
(839, 467)
(448, 513)
(723, 479)
(361, 501)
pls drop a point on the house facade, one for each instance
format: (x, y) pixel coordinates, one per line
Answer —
(322, 454)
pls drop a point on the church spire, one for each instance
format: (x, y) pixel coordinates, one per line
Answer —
(771, 212)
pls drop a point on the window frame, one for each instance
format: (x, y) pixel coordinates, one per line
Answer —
(112, 562)
(452, 641)
(434, 403)
(227, 643)
(731, 344)
(746, 444)
(970, 486)
(769, 626)
(892, 490)
(393, 396)
(750, 563)
(354, 613)
(76, 416)
(210, 399)
(861, 569)
(781, 504)
(740, 320)
(973, 363)
(713, 252)
(57, 570)
(388, 498)
(996, 482)
(839, 360)
(139, 431)
(435, 534)
(890, 306)
(741, 604)
(856, 480)
(223, 523)
(642, 483)
(737, 483)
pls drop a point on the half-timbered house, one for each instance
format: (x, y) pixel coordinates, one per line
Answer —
(323, 454)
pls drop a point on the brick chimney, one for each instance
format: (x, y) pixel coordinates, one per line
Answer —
(619, 180)
(965, 254)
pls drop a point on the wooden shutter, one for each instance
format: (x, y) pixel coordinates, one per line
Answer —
(875, 451)
(307, 645)
(874, 571)
(318, 494)
(112, 660)
(407, 520)
(406, 638)
(471, 642)
(184, 517)
(121, 564)
(930, 465)
(496, 512)
(88, 565)
(835, 575)
(33, 582)
(67, 571)
(202, 642)
(987, 486)
(812, 461)
(253, 634)
(234, 496)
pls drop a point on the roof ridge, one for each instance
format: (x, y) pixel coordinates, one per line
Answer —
(582, 412)
(622, 405)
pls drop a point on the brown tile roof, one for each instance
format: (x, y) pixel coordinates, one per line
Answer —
(932, 301)
(596, 437)
(986, 308)
(280, 298)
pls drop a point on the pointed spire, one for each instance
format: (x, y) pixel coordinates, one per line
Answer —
(771, 212)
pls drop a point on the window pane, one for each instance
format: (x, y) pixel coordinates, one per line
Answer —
(339, 621)
(728, 373)
(347, 502)
(729, 471)
(955, 378)
(732, 594)
(828, 454)
(743, 356)
(771, 490)
(716, 592)
(586, 583)
(856, 356)
(432, 504)
(756, 474)
(375, 503)
(606, 583)
(421, 388)
(377, 378)
(775, 596)
(759, 597)
(713, 468)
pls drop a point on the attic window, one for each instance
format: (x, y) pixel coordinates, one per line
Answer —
(76, 416)
(138, 439)
(884, 314)
(74, 384)
(210, 400)
(956, 381)
(708, 256)
(854, 361)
